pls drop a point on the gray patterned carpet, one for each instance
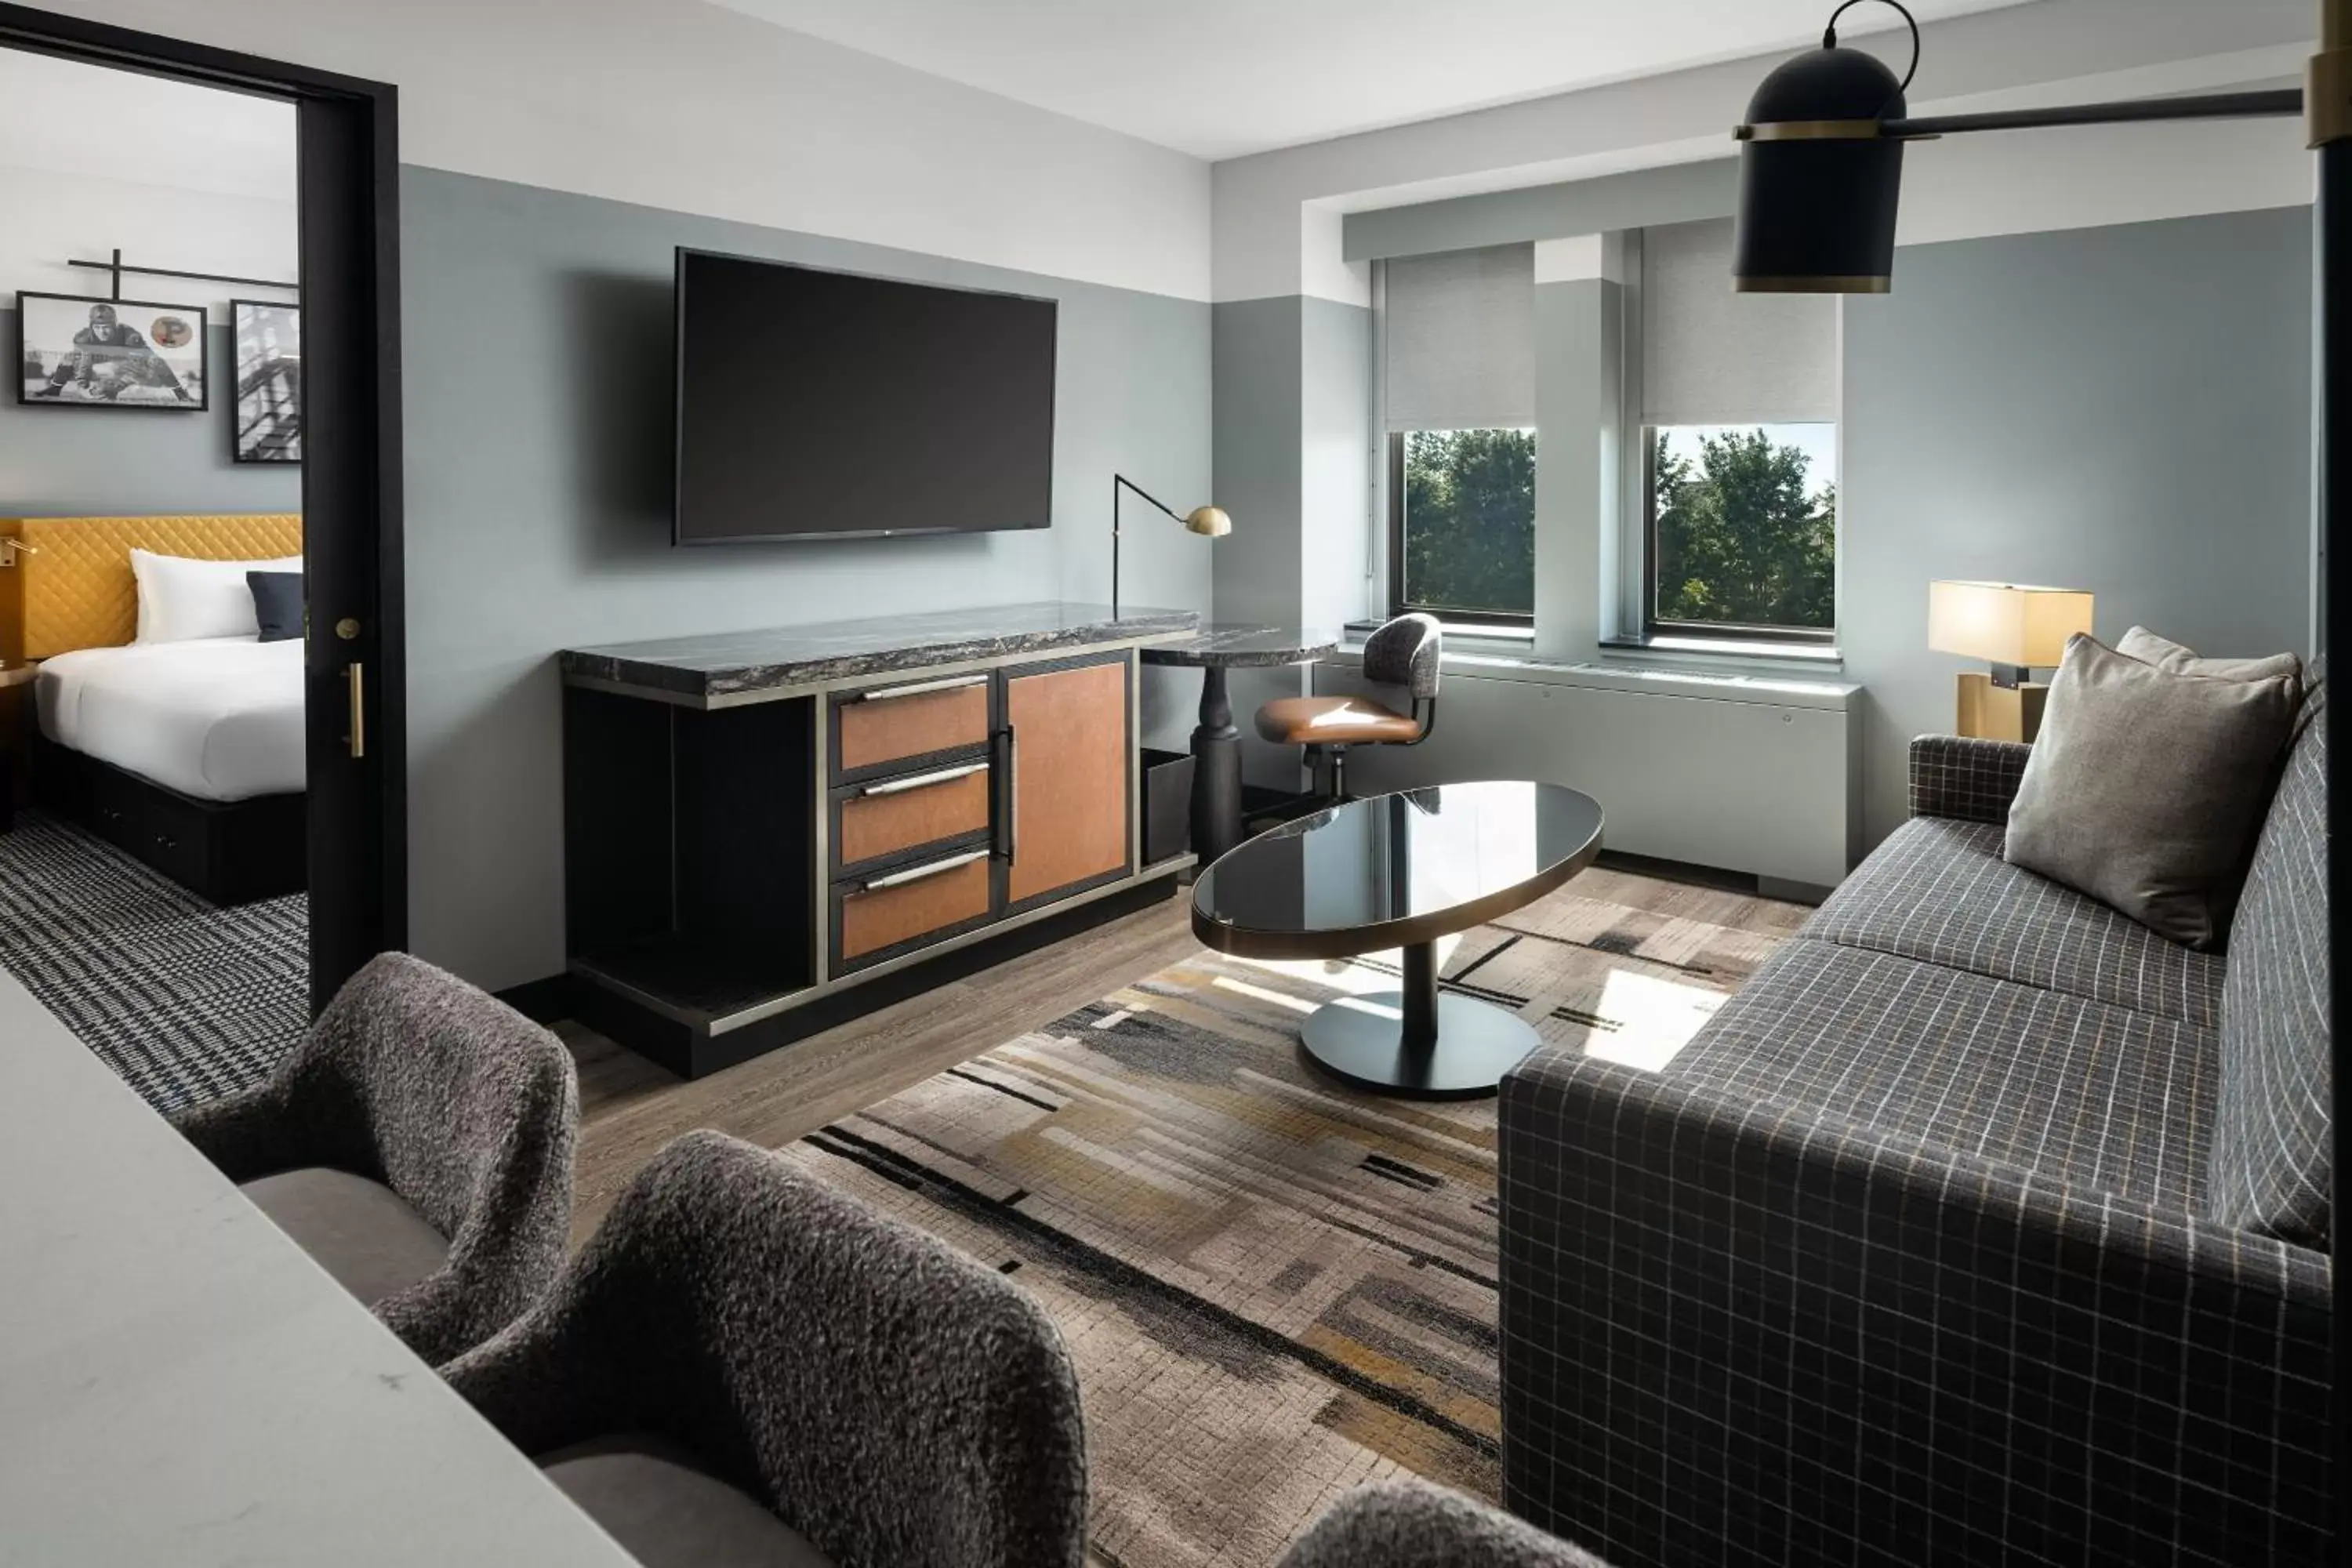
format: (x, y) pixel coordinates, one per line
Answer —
(1274, 1287)
(187, 1000)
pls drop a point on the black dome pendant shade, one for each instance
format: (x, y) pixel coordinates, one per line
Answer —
(1820, 159)
(1819, 176)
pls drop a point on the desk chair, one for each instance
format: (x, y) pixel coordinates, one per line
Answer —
(1404, 652)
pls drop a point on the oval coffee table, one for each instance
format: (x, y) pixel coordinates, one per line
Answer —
(1401, 870)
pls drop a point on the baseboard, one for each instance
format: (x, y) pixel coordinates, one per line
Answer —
(544, 1001)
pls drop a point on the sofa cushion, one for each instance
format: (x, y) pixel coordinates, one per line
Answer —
(660, 1503)
(2103, 1097)
(2145, 790)
(1939, 890)
(2269, 1166)
(358, 1230)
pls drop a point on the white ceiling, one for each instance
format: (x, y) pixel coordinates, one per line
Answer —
(97, 122)
(1221, 77)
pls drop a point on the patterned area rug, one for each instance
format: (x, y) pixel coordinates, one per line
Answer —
(187, 1000)
(1275, 1288)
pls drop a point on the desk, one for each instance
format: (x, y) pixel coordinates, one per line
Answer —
(179, 1383)
(1216, 743)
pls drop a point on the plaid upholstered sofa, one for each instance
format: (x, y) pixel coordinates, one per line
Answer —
(1983, 1225)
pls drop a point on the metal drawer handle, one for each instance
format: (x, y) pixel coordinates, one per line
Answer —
(917, 874)
(921, 689)
(924, 780)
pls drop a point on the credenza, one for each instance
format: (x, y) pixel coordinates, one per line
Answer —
(767, 832)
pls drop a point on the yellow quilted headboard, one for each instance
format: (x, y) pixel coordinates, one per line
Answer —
(78, 591)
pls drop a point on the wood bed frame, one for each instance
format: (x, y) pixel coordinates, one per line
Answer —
(71, 588)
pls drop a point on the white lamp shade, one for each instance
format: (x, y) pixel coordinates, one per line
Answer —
(2005, 623)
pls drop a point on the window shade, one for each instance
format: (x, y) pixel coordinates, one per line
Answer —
(1713, 357)
(1460, 330)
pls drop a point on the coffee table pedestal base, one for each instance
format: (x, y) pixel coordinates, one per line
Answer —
(1418, 1042)
(1477, 1044)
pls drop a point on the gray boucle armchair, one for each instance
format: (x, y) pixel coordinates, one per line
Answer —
(419, 1144)
(738, 1334)
(1413, 1524)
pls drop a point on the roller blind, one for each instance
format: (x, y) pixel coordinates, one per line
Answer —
(1713, 357)
(1460, 330)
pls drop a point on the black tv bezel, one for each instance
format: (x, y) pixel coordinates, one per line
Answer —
(677, 403)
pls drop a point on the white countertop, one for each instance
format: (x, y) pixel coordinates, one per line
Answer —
(180, 1383)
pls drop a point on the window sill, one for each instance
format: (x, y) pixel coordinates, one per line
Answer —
(1471, 631)
(1715, 649)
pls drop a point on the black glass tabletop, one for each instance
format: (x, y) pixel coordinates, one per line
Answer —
(1395, 869)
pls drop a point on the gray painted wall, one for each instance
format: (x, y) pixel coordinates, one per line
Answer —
(537, 339)
(2124, 409)
(1291, 412)
(103, 462)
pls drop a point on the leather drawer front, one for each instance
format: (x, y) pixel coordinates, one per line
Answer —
(871, 922)
(874, 826)
(877, 730)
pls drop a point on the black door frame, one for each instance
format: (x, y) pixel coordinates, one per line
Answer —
(349, 247)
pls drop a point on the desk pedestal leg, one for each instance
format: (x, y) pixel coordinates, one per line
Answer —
(1420, 1042)
(1216, 772)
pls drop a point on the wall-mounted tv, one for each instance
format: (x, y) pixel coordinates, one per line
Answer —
(814, 404)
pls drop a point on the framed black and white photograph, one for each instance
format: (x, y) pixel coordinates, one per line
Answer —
(79, 353)
(268, 381)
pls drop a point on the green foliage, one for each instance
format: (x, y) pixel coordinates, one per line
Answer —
(1470, 519)
(1739, 540)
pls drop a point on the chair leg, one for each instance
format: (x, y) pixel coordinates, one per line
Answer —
(1340, 776)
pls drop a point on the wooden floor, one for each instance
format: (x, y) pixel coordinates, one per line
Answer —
(630, 1107)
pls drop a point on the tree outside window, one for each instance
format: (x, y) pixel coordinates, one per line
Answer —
(1743, 528)
(1464, 515)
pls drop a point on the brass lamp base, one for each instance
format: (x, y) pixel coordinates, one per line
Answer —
(1989, 712)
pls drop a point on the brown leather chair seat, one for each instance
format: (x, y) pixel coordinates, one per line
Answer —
(1334, 721)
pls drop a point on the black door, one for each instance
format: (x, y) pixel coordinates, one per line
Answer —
(350, 475)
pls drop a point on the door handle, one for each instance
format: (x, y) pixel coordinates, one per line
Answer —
(355, 683)
(1011, 794)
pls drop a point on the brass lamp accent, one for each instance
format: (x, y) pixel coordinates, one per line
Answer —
(2016, 629)
(1209, 521)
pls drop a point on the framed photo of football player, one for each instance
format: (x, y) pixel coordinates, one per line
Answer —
(79, 353)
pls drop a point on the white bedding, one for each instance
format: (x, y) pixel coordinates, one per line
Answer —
(218, 717)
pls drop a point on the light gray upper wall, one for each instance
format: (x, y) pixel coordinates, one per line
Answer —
(120, 462)
(2124, 409)
(537, 339)
(1677, 193)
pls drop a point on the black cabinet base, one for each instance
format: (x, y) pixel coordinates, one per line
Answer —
(691, 1052)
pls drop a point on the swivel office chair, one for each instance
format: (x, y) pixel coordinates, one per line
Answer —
(1403, 653)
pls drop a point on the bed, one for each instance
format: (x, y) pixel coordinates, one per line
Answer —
(189, 754)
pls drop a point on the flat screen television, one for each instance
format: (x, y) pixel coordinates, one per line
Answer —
(816, 404)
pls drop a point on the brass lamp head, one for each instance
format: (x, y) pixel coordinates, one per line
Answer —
(1211, 521)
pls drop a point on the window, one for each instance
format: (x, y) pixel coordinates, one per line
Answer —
(1735, 501)
(1742, 530)
(1461, 524)
(1457, 393)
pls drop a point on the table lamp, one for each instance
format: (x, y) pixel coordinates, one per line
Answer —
(2016, 629)
(1205, 520)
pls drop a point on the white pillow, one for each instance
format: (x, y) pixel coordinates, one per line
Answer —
(180, 599)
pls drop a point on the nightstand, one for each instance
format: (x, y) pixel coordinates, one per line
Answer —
(12, 725)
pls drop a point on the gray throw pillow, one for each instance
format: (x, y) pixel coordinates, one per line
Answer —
(2145, 789)
(2145, 646)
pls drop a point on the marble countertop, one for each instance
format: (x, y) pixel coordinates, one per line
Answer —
(729, 664)
(180, 1383)
(1245, 647)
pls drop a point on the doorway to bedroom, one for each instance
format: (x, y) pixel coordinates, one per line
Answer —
(194, 838)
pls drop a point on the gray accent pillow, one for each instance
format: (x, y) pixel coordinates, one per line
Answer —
(2146, 789)
(2170, 656)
